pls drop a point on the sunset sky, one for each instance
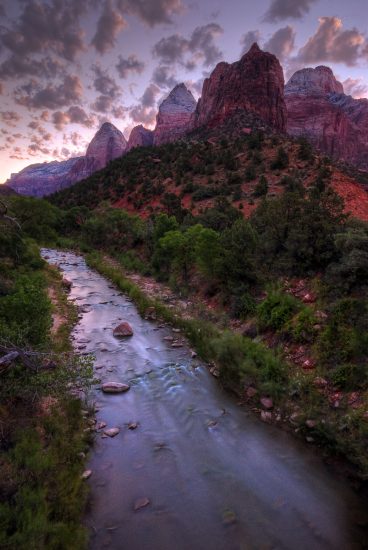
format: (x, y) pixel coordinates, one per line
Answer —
(67, 66)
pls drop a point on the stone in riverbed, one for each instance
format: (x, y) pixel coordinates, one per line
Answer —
(123, 330)
(86, 474)
(115, 387)
(112, 432)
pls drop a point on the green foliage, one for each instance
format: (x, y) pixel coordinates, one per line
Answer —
(114, 229)
(301, 326)
(45, 510)
(277, 310)
(345, 336)
(305, 150)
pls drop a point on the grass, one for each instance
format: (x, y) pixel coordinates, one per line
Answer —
(42, 445)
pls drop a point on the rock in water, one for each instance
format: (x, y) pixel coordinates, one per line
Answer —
(174, 115)
(123, 330)
(141, 503)
(140, 137)
(115, 387)
(319, 110)
(112, 432)
(254, 84)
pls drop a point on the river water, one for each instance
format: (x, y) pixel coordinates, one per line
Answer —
(210, 475)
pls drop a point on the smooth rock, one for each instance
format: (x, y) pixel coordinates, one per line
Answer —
(123, 330)
(114, 387)
(266, 402)
(86, 474)
(141, 503)
(112, 432)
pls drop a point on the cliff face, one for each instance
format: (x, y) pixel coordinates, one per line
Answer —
(254, 84)
(43, 179)
(140, 137)
(108, 144)
(174, 115)
(335, 123)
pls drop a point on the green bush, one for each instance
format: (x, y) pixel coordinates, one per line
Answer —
(277, 310)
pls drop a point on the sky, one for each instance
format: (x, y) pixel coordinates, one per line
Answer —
(67, 66)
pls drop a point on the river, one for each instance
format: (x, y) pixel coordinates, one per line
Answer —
(204, 473)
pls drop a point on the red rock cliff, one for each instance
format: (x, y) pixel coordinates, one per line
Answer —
(254, 84)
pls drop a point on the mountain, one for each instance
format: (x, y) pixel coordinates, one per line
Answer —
(254, 84)
(140, 137)
(43, 179)
(334, 122)
(174, 115)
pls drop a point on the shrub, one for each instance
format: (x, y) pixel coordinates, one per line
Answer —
(277, 310)
(281, 161)
(261, 188)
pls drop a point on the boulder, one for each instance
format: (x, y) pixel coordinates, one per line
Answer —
(123, 330)
(114, 387)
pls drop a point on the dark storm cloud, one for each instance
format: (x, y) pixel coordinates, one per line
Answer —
(248, 39)
(199, 47)
(331, 43)
(151, 12)
(130, 64)
(103, 104)
(164, 77)
(51, 97)
(281, 43)
(109, 25)
(19, 66)
(287, 9)
(46, 26)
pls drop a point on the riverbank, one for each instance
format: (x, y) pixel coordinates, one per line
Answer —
(294, 399)
(43, 437)
(176, 461)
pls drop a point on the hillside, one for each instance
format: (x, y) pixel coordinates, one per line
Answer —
(241, 160)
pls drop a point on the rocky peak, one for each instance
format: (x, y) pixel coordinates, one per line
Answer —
(140, 137)
(107, 144)
(174, 115)
(320, 80)
(255, 84)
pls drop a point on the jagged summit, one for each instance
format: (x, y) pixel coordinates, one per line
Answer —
(254, 84)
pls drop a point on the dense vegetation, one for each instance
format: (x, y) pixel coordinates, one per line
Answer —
(41, 491)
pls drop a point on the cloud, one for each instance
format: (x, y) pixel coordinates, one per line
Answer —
(103, 104)
(145, 112)
(356, 87)
(200, 47)
(128, 65)
(45, 26)
(19, 66)
(74, 115)
(331, 43)
(109, 25)
(164, 77)
(281, 43)
(51, 97)
(10, 118)
(287, 9)
(248, 39)
(152, 12)
(104, 83)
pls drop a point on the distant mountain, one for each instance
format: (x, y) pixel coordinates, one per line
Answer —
(334, 122)
(174, 115)
(43, 179)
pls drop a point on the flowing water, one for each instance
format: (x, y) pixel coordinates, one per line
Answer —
(216, 477)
